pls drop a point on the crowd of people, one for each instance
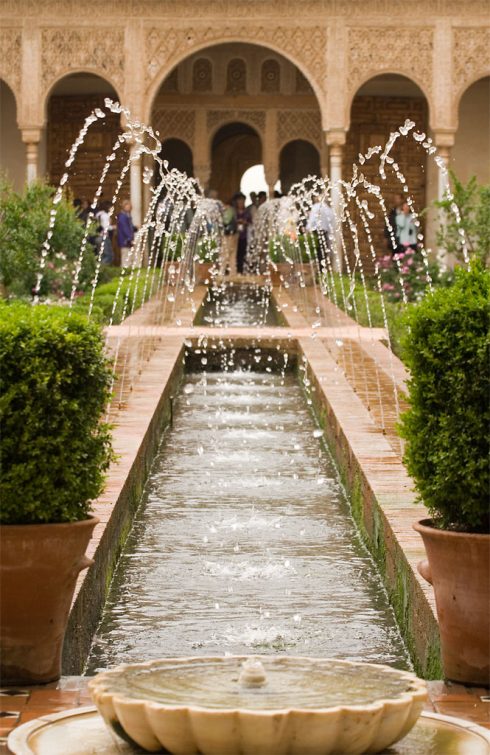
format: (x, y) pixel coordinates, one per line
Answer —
(238, 226)
(106, 233)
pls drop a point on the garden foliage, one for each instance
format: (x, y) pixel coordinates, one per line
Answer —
(473, 202)
(54, 386)
(447, 426)
(24, 224)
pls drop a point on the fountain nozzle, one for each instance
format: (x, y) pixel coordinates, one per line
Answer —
(252, 674)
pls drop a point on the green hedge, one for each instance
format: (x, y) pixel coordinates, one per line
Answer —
(24, 224)
(447, 426)
(106, 293)
(54, 386)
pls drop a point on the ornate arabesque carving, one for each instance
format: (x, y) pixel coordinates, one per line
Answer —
(91, 48)
(217, 118)
(408, 49)
(307, 45)
(10, 58)
(236, 76)
(170, 122)
(202, 75)
(270, 76)
(471, 54)
(299, 124)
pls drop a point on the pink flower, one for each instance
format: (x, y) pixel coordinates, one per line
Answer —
(388, 287)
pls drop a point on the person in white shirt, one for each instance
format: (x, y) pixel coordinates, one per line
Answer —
(321, 224)
(104, 226)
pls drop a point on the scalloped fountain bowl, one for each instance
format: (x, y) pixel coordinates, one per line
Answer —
(259, 705)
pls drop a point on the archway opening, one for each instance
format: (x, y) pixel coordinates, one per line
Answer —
(298, 159)
(471, 151)
(178, 154)
(12, 150)
(379, 107)
(71, 100)
(236, 83)
(235, 148)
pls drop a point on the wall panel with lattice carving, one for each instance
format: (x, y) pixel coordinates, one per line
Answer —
(66, 115)
(373, 118)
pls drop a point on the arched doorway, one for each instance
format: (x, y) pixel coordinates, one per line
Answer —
(235, 148)
(178, 154)
(12, 150)
(298, 159)
(71, 100)
(236, 104)
(381, 106)
(471, 151)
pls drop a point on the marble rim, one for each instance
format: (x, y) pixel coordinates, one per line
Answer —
(418, 692)
(18, 739)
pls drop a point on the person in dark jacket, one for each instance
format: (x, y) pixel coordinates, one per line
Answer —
(125, 233)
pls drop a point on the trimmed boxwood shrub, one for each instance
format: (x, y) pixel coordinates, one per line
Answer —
(54, 386)
(447, 425)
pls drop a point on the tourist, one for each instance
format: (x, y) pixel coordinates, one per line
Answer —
(391, 230)
(406, 229)
(104, 233)
(321, 224)
(243, 221)
(84, 210)
(125, 232)
(261, 198)
(229, 241)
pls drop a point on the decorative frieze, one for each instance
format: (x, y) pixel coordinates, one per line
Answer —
(471, 55)
(10, 57)
(394, 49)
(299, 124)
(93, 49)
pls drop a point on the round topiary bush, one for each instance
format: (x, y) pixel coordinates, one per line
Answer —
(447, 425)
(54, 386)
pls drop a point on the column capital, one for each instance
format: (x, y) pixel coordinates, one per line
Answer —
(336, 137)
(444, 137)
(31, 134)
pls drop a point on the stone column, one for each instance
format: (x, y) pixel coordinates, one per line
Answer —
(270, 151)
(135, 183)
(271, 171)
(31, 138)
(202, 172)
(444, 141)
(336, 141)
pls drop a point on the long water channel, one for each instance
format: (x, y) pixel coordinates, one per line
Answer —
(244, 540)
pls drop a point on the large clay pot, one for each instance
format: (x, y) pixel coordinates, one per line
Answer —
(458, 567)
(39, 566)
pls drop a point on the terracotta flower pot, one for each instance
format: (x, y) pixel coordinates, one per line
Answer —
(39, 566)
(458, 567)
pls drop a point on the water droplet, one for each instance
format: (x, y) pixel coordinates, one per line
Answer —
(297, 618)
(189, 388)
(200, 450)
(317, 433)
(170, 297)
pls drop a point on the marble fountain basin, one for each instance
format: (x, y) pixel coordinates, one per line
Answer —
(259, 705)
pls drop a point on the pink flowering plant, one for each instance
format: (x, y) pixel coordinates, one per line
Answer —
(406, 275)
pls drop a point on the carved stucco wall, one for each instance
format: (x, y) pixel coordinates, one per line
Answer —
(299, 124)
(165, 47)
(90, 49)
(394, 49)
(10, 58)
(471, 54)
(177, 124)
